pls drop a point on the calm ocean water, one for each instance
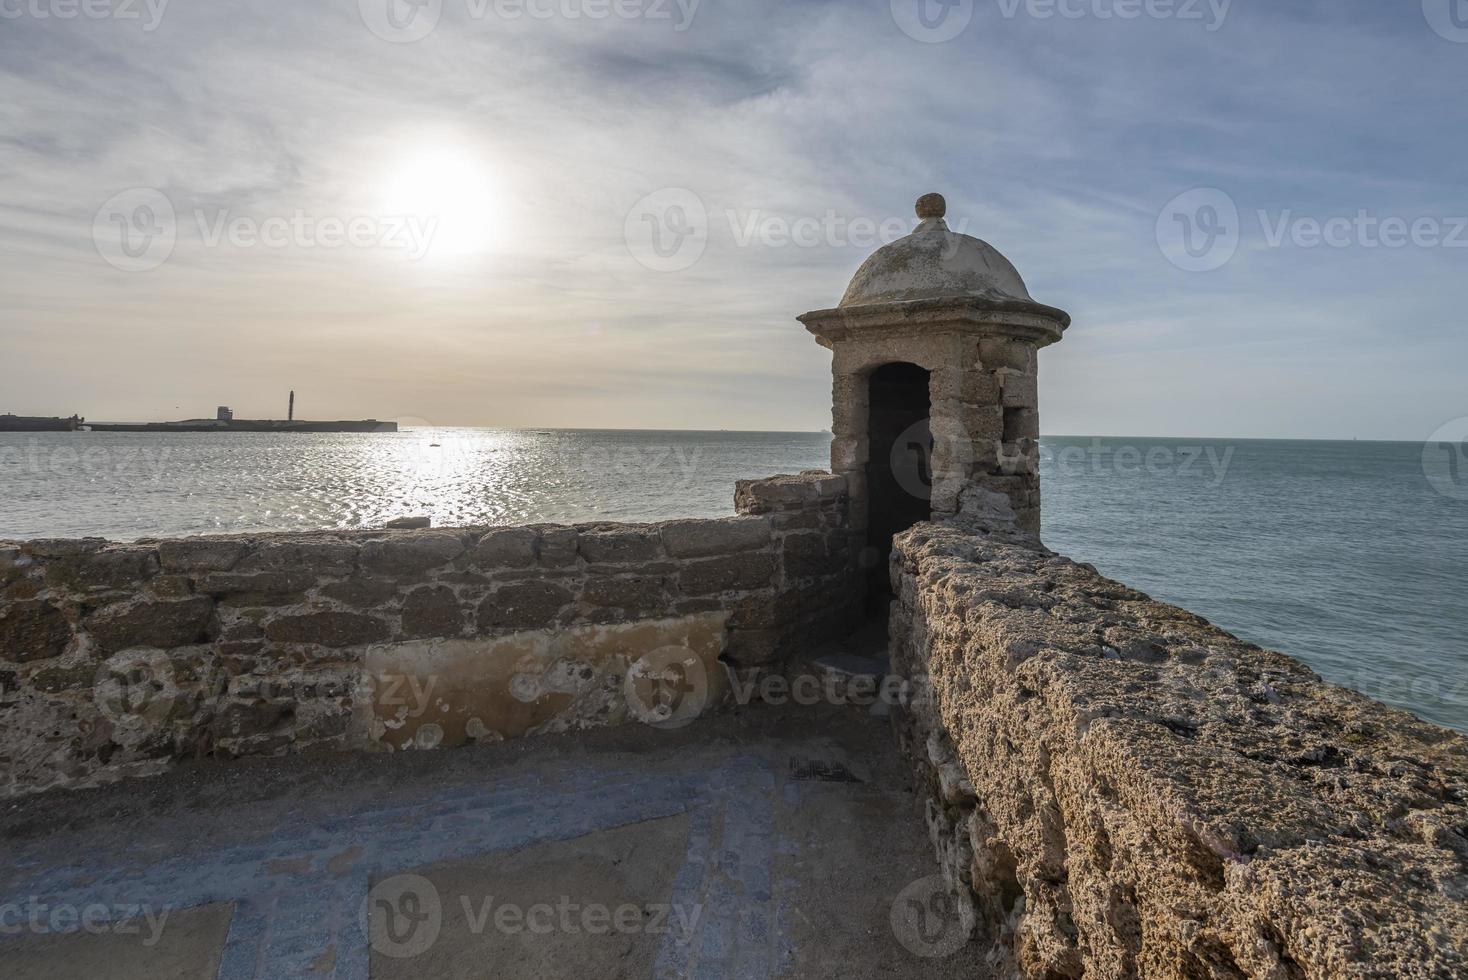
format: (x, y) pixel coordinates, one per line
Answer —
(1340, 553)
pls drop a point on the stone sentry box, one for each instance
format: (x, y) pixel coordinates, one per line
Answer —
(949, 309)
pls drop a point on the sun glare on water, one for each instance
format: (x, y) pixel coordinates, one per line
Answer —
(452, 192)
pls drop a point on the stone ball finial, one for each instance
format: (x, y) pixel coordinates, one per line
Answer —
(931, 206)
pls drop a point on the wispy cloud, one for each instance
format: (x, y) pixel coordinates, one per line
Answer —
(1060, 140)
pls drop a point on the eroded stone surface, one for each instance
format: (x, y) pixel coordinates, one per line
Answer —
(1152, 796)
(328, 629)
(33, 630)
(151, 624)
(116, 660)
(452, 692)
(931, 263)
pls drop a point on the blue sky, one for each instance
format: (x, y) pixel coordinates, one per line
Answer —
(537, 149)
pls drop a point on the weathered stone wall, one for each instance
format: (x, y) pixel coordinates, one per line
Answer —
(1122, 789)
(117, 659)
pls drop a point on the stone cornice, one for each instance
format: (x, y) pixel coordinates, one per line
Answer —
(1041, 324)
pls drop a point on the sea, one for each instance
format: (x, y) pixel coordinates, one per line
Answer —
(1351, 556)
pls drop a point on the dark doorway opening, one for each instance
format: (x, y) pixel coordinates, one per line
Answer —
(899, 467)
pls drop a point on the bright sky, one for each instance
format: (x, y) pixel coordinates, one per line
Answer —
(607, 213)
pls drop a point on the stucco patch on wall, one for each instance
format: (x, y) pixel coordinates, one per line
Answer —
(427, 693)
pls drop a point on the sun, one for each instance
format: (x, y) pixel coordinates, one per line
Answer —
(452, 190)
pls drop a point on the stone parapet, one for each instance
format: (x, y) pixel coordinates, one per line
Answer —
(117, 659)
(1117, 788)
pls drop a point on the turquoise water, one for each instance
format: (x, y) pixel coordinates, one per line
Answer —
(1343, 554)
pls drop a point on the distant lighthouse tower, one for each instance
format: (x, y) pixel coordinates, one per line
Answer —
(290, 412)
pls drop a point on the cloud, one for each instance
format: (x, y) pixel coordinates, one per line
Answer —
(1058, 140)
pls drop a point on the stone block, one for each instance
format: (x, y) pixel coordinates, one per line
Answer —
(32, 630)
(783, 493)
(1020, 391)
(411, 554)
(328, 629)
(120, 568)
(829, 487)
(947, 487)
(200, 554)
(699, 539)
(280, 582)
(639, 594)
(953, 443)
(940, 409)
(62, 547)
(56, 680)
(242, 630)
(809, 554)
(775, 494)
(849, 389)
(432, 611)
(360, 593)
(1021, 423)
(507, 547)
(1001, 352)
(152, 624)
(796, 520)
(735, 573)
(848, 419)
(557, 547)
(323, 556)
(618, 544)
(849, 453)
(945, 382)
(523, 605)
(171, 586)
(983, 423)
(239, 656)
(759, 611)
(980, 387)
(1019, 458)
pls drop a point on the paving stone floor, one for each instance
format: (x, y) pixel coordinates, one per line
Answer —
(769, 843)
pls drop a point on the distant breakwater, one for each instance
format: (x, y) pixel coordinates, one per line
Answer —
(246, 425)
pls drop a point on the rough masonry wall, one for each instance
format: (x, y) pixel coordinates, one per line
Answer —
(117, 659)
(1125, 790)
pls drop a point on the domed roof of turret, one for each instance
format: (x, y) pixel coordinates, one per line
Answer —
(935, 263)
